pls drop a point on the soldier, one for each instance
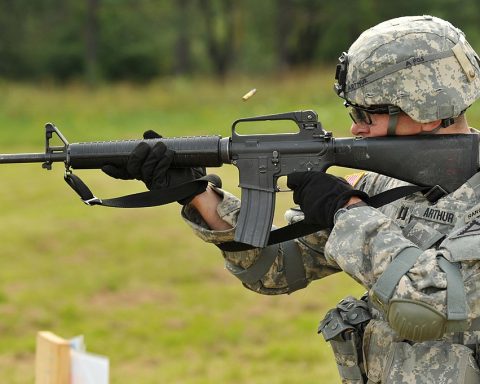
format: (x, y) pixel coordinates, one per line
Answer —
(417, 257)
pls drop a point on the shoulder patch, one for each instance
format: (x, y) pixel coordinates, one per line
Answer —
(354, 178)
(473, 228)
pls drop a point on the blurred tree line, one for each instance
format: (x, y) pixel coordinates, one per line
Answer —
(138, 40)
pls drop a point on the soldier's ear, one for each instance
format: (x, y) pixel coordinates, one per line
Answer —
(431, 126)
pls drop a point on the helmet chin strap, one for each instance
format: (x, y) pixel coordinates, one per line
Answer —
(433, 131)
(393, 113)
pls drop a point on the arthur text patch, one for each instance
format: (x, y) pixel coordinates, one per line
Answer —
(439, 215)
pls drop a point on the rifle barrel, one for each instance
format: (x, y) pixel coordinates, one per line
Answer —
(31, 157)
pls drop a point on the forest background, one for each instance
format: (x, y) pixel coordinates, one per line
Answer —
(107, 40)
(143, 290)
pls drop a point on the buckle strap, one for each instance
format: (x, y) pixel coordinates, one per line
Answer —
(435, 193)
(294, 268)
(257, 270)
(385, 286)
(81, 188)
(293, 265)
(143, 199)
(393, 113)
(457, 307)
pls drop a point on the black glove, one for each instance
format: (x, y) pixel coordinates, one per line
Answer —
(152, 166)
(320, 195)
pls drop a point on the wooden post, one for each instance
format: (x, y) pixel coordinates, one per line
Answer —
(52, 359)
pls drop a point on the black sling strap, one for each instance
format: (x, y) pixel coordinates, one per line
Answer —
(186, 190)
(143, 199)
(300, 228)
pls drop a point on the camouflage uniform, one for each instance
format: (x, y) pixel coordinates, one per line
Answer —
(425, 67)
(362, 243)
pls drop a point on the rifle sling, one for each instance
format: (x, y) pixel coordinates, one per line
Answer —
(187, 190)
(300, 228)
(143, 199)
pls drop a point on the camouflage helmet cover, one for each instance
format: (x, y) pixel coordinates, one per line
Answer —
(421, 64)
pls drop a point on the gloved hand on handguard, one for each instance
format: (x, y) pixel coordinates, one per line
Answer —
(320, 195)
(152, 165)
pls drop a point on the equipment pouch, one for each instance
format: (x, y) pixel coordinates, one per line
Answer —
(430, 362)
(343, 328)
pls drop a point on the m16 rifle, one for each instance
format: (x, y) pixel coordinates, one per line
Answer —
(444, 161)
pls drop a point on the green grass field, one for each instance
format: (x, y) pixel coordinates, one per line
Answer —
(141, 288)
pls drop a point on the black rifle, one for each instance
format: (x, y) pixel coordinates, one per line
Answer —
(446, 161)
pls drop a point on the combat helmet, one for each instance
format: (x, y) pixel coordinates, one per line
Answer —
(422, 65)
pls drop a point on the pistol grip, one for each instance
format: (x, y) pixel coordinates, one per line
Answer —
(256, 216)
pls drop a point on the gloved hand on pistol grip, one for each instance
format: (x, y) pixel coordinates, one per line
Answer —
(152, 165)
(321, 195)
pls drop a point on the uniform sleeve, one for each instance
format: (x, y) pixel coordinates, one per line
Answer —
(266, 271)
